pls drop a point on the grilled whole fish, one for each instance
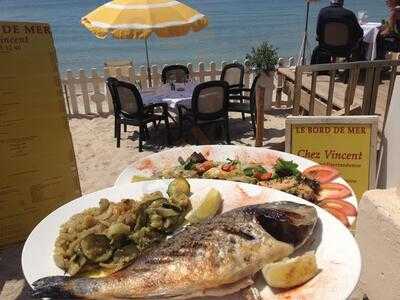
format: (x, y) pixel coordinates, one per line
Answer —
(214, 258)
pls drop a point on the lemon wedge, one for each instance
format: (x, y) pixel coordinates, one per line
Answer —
(207, 208)
(291, 272)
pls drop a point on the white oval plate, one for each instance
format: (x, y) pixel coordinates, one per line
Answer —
(337, 253)
(151, 164)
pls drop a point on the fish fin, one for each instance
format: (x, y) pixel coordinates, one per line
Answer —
(51, 287)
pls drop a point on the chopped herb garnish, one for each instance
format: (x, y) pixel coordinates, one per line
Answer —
(191, 160)
(248, 172)
(260, 169)
(181, 160)
(232, 161)
(253, 170)
(284, 168)
(189, 165)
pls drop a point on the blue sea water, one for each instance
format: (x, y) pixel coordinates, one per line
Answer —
(234, 27)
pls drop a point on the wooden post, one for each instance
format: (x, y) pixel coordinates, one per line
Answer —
(143, 77)
(298, 84)
(107, 93)
(72, 92)
(97, 97)
(213, 71)
(201, 72)
(260, 116)
(84, 90)
(191, 74)
(247, 73)
(279, 89)
(65, 90)
(155, 76)
(131, 74)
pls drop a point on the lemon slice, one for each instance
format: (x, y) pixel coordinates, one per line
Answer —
(291, 272)
(208, 207)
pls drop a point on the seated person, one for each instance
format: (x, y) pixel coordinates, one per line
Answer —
(338, 34)
(388, 39)
(391, 4)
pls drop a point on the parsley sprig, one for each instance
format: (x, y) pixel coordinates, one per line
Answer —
(285, 168)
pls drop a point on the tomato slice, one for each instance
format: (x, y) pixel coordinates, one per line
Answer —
(321, 173)
(228, 167)
(332, 190)
(204, 166)
(339, 204)
(263, 176)
(339, 215)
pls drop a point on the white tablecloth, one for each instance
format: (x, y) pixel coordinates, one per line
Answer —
(164, 94)
(371, 30)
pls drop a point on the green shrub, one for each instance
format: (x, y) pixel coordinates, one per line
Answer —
(264, 58)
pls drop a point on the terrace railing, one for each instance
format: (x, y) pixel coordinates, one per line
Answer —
(314, 90)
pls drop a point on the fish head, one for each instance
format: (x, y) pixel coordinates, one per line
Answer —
(287, 222)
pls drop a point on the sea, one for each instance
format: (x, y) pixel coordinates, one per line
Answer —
(235, 26)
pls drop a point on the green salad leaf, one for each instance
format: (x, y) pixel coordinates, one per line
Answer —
(192, 160)
(250, 171)
(284, 168)
(232, 161)
(189, 165)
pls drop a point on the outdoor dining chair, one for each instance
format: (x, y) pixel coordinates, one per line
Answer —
(209, 105)
(129, 110)
(175, 74)
(247, 104)
(233, 74)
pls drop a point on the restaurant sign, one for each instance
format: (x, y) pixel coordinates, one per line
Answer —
(37, 163)
(347, 143)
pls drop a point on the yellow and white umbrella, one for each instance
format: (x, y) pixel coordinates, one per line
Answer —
(138, 19)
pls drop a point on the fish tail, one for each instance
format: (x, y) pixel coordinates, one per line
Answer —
(51, 287)
(63, 287)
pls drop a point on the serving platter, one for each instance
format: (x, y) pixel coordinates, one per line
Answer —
(153, 164)
(337, 253)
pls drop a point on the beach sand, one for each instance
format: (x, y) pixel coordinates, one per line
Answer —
(100, 161)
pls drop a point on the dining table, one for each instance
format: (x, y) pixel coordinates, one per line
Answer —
(178, 93)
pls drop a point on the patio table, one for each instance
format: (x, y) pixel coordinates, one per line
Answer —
(163, 94)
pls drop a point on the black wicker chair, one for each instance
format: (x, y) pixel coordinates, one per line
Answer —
(209, 105)
(129, 110)
(175, 74)
(246, 103)
(233, 74)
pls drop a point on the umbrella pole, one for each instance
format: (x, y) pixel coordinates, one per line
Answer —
(304, 45)
(148, 64)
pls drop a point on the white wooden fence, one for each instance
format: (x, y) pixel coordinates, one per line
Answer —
(86, 94)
